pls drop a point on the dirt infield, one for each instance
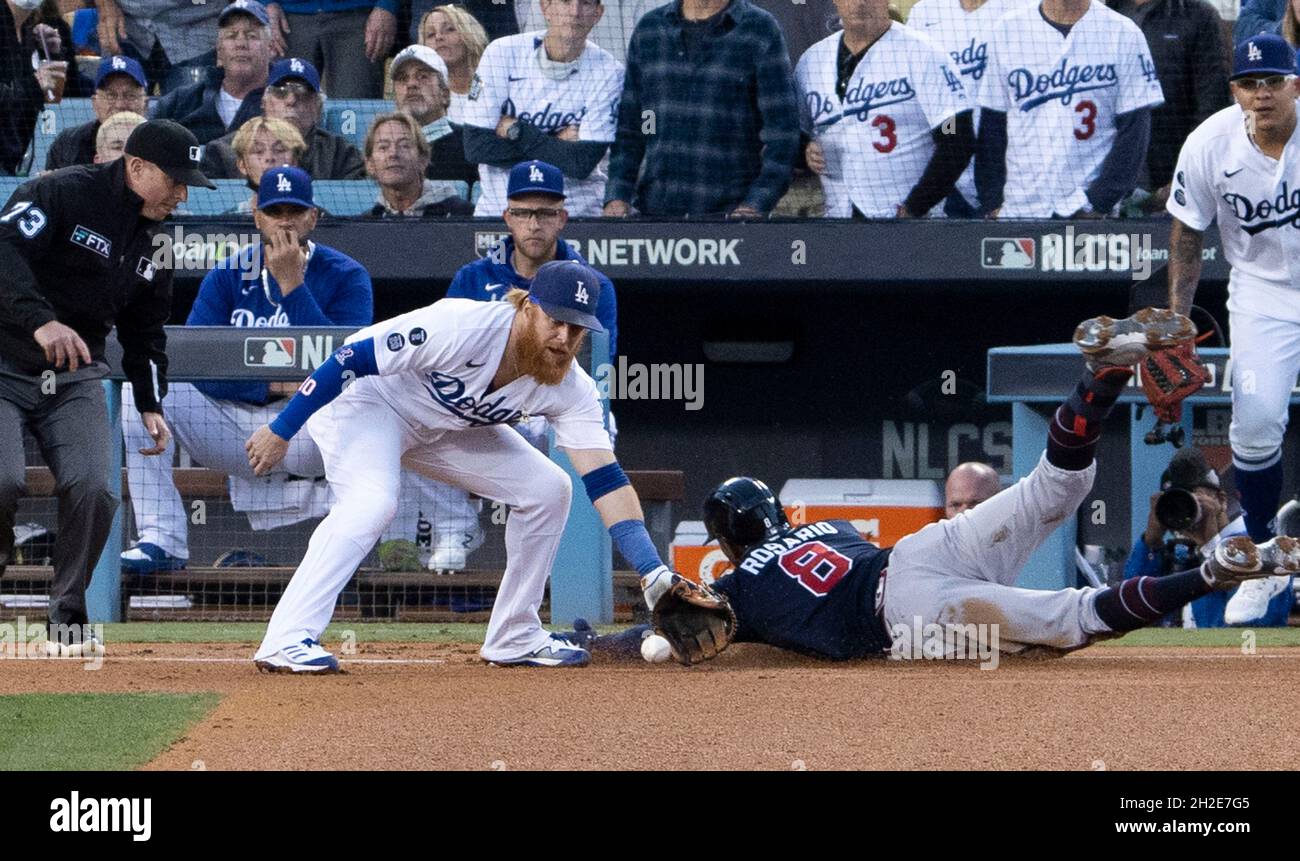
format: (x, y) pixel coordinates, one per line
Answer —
(436, 706)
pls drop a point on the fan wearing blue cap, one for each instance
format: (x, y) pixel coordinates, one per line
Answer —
(1236, 169)
(119, 86)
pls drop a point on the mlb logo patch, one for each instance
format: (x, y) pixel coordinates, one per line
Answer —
(196, 154)
(145, 269)
(485, 241)
(417, 336)
(1001, 252)
(269, 352)
(396, 342)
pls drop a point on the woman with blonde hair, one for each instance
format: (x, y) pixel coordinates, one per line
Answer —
(460, 40)
(261, 144)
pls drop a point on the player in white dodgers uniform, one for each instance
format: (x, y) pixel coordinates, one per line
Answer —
(1241, 168)
(889, 119)
(963, 28)
(435, 391)
(1065, 111)
(550, 95)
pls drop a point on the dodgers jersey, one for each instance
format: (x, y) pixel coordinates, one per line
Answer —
(812, 590)
(965, 37)
(877, 139)
(436, 366)
(1222, 176)
(1061, 95)
(510, 81)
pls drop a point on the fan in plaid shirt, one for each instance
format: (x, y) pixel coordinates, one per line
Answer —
(709, 105)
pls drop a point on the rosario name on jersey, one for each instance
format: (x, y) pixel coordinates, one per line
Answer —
(876, 139)
(1223, 176)
(511, 81)
(1061, 95)
(965, 36)
(436, 366)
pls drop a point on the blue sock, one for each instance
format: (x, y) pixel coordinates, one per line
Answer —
(1260, 491)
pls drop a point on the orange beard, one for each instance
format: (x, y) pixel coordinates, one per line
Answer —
(540, 363)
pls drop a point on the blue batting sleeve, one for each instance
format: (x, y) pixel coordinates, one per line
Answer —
(357, 359)
(605, 480)
(634, 543)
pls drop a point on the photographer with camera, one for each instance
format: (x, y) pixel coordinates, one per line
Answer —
(1187, 518)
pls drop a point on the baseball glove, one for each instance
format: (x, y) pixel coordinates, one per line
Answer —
(1169, 376)
(695, 620)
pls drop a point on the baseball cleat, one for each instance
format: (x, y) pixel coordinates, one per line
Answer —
(451, 551)
(90, 647)
(305, 657)
(1238, 559)
(559, 651)
(1250, 603)
(1108, 342)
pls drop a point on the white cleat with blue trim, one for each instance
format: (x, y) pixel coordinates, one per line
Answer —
(305, 657)
(559, 651)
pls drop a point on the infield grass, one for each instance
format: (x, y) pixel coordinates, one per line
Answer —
(460, 632)
(93, 732)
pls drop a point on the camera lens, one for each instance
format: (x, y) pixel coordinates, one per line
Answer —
(1177, 509)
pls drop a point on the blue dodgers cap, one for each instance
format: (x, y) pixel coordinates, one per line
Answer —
(285, 184)
(1265, 54)
(244, 7)
(294, 67)
(119, 65)
(535, 177)
(568, 291)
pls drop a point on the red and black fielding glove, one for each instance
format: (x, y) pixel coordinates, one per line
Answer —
(1169, 376)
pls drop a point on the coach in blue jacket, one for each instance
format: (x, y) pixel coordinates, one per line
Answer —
(536, 216)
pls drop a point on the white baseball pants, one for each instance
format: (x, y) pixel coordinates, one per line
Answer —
(1265, 364)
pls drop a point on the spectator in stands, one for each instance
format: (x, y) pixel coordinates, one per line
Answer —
(535, 216)
(968, 485)
(397, 157)
(1022, 172)
(110, 140)
(32, 36)
(172, 40)
(551, 96)
(687, 143)
(914, 163)
(496, 19)
(613, 31)
(231, 92)
(1290, 29)
(1187, 47)
(293, 95)
(420, 89)
(346, 39)
(1259, 16)
(119, 86)
(460, 40)
(297, 282)
(261, 144)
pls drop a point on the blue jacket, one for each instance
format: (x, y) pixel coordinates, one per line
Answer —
(1258, 16)
(1208, 610)
(335, 292)
(195, 107)
(490, 278)
(311, 7)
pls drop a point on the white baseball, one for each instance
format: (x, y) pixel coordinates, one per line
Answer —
(655, 649)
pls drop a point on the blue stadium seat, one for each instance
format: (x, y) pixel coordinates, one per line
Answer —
(345, 196)
(228, 195)
(352, 117)
(52, 120)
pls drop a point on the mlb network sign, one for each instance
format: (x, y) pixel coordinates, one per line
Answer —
(1071, 251)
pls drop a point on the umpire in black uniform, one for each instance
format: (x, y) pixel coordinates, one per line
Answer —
(76, 257)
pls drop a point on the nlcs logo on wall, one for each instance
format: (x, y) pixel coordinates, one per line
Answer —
(1004, 252)
(269, 352)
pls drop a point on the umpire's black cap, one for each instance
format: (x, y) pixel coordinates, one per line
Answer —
(172, 147)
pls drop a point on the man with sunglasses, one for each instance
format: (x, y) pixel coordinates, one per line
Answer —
(293, 94)
(1238, 168)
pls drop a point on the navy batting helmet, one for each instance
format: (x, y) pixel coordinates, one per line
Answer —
(744, 512)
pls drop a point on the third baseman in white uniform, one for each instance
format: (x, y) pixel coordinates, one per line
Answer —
(434, 391)
(1241, 168)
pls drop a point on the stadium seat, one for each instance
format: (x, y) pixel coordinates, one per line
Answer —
(352, 117)
(52, 120)
(228, 195)
(345, 196)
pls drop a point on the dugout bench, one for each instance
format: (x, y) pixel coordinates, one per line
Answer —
(1035, 380)
(582, 584)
